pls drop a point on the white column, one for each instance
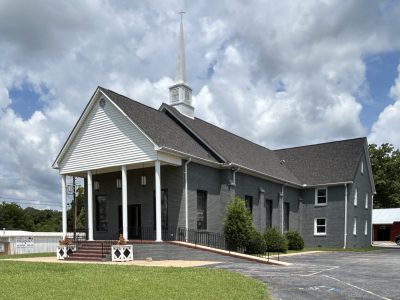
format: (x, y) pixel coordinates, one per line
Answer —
(158, 201)
(64, 204)
(90, 205)
(124, 204)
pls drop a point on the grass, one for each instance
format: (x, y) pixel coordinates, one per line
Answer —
(21, 280)
(45, 254)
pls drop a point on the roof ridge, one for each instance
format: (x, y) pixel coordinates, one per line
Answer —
(136, 101)
(317, 144)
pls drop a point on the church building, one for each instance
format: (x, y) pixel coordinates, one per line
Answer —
(151, 171)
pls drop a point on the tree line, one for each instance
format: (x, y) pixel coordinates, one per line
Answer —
(14, 217)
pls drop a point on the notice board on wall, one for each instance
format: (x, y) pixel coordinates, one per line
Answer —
(24, 242)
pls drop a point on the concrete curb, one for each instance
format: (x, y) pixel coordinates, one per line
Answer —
(233, 254)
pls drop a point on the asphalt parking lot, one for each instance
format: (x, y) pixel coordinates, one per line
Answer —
(332, 275)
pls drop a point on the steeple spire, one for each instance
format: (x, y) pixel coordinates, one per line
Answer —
(180, 93)
(181, 65)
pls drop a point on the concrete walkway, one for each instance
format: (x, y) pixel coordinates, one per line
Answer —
(154, 263)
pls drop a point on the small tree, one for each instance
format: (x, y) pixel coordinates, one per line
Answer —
(238, 225)
(275, 241)
(295, 241)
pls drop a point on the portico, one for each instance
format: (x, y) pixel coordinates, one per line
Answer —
(108, 191)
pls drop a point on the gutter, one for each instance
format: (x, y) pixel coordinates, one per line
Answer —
(345, 217)
(169, 150)
(186, 201)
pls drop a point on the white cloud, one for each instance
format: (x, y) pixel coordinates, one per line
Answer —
(387, 128)
(280, 73)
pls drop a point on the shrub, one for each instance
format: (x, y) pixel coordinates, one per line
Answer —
(295, 241)
(275, 241)
(238, 225)
(256, 243)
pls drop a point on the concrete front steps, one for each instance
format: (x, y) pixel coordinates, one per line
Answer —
(92, 251)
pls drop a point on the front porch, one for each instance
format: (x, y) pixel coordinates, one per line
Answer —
(133, 200)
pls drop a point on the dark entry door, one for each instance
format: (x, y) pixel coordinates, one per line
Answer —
(384, 233)
(134, 220)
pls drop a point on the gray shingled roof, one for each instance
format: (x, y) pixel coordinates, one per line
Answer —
(164, 131)
(238, 150)
(324, 163)
(312, 165)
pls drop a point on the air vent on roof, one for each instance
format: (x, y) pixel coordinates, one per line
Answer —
(102, 102)
(282, 162)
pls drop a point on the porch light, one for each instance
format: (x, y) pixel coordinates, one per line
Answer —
(143, 180)
(119, 183)
(96, 185)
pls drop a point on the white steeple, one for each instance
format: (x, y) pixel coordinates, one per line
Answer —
(180, 94)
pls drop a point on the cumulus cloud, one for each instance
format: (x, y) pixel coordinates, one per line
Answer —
(387, 128)
(279, 73)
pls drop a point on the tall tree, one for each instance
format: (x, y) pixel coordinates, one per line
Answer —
(385, 160)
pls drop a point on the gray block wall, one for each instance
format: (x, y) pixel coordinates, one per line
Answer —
(333, 212)
(253, 186)
(220, 192)
(362, 183)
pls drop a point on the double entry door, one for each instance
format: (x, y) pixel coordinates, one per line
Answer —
(134, 221)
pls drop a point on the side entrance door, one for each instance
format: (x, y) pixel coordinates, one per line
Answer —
(134, 220)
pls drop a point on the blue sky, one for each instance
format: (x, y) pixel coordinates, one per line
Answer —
(280, 73)
(381, 73)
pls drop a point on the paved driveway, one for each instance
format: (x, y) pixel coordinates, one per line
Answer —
(335, 275)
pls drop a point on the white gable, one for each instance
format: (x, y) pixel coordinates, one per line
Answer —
(106, 138)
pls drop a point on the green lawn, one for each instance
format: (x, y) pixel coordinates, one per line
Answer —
(23, 280)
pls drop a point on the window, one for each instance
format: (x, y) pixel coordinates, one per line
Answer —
(320, 226)
(249, 203)
(362, 167)
(366, 200)
(355, 226)
(366, 227)
(164, 209)
(268, 213)
(355, 196)
(321, 197)
(202, 210)
(119, 183)
(96, 185)
(101, 213)
(286, 212)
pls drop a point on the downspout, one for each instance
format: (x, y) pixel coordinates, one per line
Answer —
(371, 225)
(234, 175)
(345, 217)
(282, 195)
(186, 201)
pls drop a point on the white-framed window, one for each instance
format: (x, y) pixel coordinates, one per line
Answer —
(355, 226)
(366, 227)
(320, 226)
(321, 197)
(362, 167)
(366, 200)
(355, 196)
